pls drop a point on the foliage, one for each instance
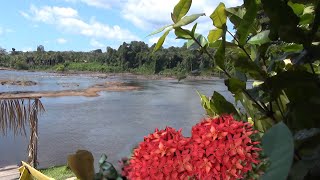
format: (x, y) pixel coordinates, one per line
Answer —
(219, 148)
(133, 57)
(21, 65)
(58, 173)
(276, 44)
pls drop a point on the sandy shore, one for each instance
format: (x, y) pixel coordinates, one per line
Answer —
(92, 91)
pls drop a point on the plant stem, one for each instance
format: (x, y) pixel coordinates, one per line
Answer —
(240, 46)
(261, 107)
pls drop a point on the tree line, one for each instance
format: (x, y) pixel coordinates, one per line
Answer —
(136, 57)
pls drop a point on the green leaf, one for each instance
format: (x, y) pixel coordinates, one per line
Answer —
(187, 20)
(260, 38)
(103, 159)
(219, 55)
(161, 41)
(245, 65)
(219, 16)
(278, 145)
(297, 8)
(191, 44)
(263, 124)
(217, 44)
(222, 106)
(181, 9)
(293, 48)
(283, 22)
(182, 33)
(247, 21)
(236, 15)
(235, 85)
(174, 18)
(159, 30)
(207, 105)
(237, 11)
(215, 35)
(194, 29)
(306, 19)
(291, 82)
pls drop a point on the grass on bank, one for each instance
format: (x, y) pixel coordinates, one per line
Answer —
(58, 172)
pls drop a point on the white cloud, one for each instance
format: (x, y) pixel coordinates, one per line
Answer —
(68, 20)
(96, 44)
(106, 4)
(152, 14)
(49, 14)
(61, 40)
(5, 30)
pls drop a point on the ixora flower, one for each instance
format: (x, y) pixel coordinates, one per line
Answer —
(219, 148)
(222, 148)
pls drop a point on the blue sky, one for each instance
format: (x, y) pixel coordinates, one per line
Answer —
(84, 25)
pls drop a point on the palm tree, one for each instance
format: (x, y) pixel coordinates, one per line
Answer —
(16, 114)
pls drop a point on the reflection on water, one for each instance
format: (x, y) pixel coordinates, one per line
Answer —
(111, 123)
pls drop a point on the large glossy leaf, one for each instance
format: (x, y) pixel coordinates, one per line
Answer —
(283, 21)
(193, 31)
(247, 21)
(306, 19)
(247, 66)
(260, 38)
(235, 85)
(263, 124)
(222, 106)
(219, 55)
(182, 33)
(219, 16)
(278, 145)
(293, 48)
(159, 30)
(207, 105)
(191, 44)
(215, 35)
(236, 15)
(291, 82)
(161, 41)
(187, 20)
(181, 9)
(297, 8)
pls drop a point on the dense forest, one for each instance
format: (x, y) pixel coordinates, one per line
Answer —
(134, 57)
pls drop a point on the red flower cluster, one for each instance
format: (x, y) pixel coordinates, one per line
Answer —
(222, 148)
(159, 156)
(219, 148)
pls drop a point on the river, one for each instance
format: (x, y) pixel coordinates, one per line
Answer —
(112, 123)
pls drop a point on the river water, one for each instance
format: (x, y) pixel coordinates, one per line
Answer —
(112, 123)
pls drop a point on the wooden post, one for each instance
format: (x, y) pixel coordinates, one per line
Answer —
(33, 144)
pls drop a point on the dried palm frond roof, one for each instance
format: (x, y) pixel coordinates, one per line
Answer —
(16, 113)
